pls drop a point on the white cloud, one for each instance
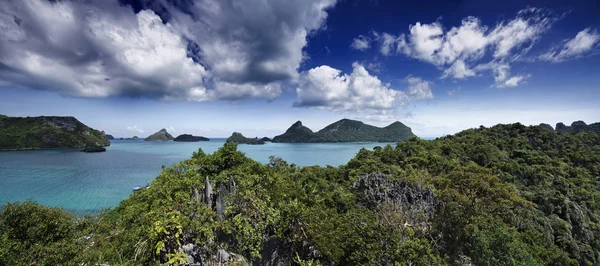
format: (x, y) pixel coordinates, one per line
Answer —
(418, 89)
(361, 43)
(513, 81)
(454, 91)
(458, 70)
(502, 76)
(328, 88)
(458, 50)
(215, 50)
(525, 29)
(583, 43)
(387, 43)
(135, 129)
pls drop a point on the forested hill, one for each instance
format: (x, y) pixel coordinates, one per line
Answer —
(346, 130)
(47, 132)
(505, 195)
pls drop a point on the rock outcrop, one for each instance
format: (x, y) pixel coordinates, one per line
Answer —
(417, 204)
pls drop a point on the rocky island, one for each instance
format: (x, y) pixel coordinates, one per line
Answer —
(237, 137)
(190, 138)
(109, 137)
(47, 132)
(161, 135)
(346, 130)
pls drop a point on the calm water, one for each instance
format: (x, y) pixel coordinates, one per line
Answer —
(83, 182)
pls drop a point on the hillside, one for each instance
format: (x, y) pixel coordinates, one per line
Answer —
(238, 138)
(505, 195)
(346, 130)
(190, 138)
(47, 132)
(577, 127)
(161, 135)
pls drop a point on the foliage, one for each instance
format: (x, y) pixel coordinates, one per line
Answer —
(506, 195)
(346, 130)
(47, 132)
(238, 138)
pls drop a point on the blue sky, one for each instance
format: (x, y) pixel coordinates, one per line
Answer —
(213, 67)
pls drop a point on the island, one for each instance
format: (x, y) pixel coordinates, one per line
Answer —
(132, 138)
(109, 137)
(190, 138)
(161, 135)
(265, 139)
(47, 132)
(346, 130)
(237, 137)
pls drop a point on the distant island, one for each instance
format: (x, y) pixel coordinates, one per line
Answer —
(161, 135)
(109, 137)
(237, 137)
(133, 138)
(265, 139)
(346, 130)
(47, 132)
(190, 138)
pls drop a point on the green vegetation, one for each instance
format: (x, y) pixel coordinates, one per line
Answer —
(577, 127)
(47, 132)
(346, 130)
(506, 195)
(161, 135)
(190, 138)
(238, 138)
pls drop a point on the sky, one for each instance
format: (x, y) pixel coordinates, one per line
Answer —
(212, 67)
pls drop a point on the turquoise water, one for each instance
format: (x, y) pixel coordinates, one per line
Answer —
(82, 182)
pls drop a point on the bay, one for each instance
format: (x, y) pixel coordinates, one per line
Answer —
(87, 182)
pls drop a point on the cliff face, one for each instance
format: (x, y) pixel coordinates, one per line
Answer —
(47, 132)
(161, 135)
(346, 130)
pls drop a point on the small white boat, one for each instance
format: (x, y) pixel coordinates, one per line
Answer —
(136, 188)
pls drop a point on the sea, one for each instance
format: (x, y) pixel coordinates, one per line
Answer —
(89, 182)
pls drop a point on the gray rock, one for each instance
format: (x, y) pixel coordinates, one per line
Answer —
(194, 254)
(207, 195)
(417, 204)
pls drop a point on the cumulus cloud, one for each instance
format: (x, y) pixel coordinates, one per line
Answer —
(215, 50)
(458, 50)
(135, 129)
(583, 43)
(418, 89)
(458, 70)
(361, 43)
(360, 92)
